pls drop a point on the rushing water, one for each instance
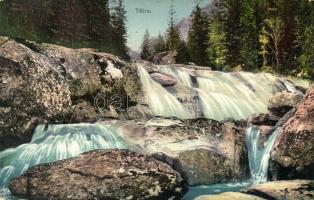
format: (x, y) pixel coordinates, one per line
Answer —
(56, 143)
(219, 95)
(259, 155)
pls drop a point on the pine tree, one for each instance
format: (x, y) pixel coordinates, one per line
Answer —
(306, 58)
(98, 23)
(198, 37)
(249, 35)
(173, 35)
(217, 40)
(159, 44)
(119, 30)
(146, 46)
(231, 21)
(182, 56)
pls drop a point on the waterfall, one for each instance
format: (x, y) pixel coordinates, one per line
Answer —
(56, 143)
(219, 95)
(160, 100)
(259, 155)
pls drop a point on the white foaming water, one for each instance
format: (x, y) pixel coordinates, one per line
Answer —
(220, 95)
(259, 155)
(160, 100)
(56, 143)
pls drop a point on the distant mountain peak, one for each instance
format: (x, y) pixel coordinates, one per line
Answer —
(185, 24)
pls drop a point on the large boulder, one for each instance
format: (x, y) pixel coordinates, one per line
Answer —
(164, 79)
(39, 83)
(164, 58)
(32, 91)
(283, 102)
(101, 174)
(203, 151)
(284, 190)
(292, 156)
(263, 119)
(203, 166)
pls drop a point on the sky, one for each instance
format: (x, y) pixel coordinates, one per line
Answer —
(154, 18)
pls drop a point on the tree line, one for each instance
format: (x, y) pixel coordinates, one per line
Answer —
(72, 23)
(253, 35)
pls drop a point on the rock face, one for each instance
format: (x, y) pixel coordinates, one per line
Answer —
(228, 196)
(40, 82)
(283, 102)
(84, 112)
(31, 89)
(204, 166)
(100, 174)
(263, 119)
(164, 79)
(203, 151)
(292, 156)
(284, 190)
(164, 58)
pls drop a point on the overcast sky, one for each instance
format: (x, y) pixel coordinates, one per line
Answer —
(154, 19)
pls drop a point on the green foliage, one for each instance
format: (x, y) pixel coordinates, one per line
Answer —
(273, 36)
(264, 42)
(173, 35)
(119, 28)
(249, 35)
(198, 37)
(182, 56)
(231, 20)
(73, 23)
(274, 31)
(217, 44)
(159, 44)
(146, 47)
(307, 57)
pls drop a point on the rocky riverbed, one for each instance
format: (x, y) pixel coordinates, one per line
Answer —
(176, 126)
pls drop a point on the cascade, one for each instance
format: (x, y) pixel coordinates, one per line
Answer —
(259, 155)
(54, 143)
(160, 100)
(220, 95)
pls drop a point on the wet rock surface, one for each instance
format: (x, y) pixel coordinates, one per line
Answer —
(164, 79)
(263, 119)
(283, 102)
(203, 151)
(101, 174)
(292, 156)
(284, 190)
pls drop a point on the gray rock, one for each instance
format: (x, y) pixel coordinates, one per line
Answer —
(292, 156)
(164, 79)
(284, 190)
(203, 151)
(283, 102)
(164, 58)
(40, 82)
(101, 174)
(32, 91)
(263, 119)
(84, 112)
